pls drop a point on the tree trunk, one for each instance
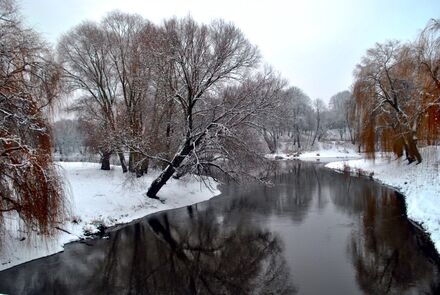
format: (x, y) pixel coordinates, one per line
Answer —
(316, 131)
(142, 167)
(105, 161)
(411, 150)
(131, 162)
(298, 139)
(314, 138)
(166, 174)
(123, 163)
(270, 141)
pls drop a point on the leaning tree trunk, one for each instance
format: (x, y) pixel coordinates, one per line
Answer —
(105, 161)
(166, 174)
(270, 141)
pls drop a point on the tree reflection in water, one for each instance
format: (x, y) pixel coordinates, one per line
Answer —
(203, 257)
(341, 235)
(194, 252)
(386, 249)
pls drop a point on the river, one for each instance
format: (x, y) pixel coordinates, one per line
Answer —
(313, 231)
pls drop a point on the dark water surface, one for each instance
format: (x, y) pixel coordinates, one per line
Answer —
(313, 232)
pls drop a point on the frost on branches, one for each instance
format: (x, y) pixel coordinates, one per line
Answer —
(29, 184)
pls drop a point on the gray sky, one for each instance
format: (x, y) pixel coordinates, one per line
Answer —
(315, 44)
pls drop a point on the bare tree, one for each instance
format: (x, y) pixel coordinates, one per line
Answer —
(300, 113)
(206, 58)
(339, 112)
(130, 39)
(291, 117)
(88, 68)
(319, 108)
(29, 83)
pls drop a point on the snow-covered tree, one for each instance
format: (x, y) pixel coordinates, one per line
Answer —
(29, 83)
(300, 113)
(339, 113)
(216, 95)
(132, 42)
(88, 67)
(397, 98)
(320, 109)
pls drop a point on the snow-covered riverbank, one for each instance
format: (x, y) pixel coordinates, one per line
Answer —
(110, 197)
(419, 183)
(333, 152)
(99, 198)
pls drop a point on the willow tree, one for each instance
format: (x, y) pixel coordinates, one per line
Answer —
(387, 98)
(427, 54)
(29, 83)
(397, 91)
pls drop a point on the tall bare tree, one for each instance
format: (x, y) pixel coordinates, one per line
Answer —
(205, 58)
(130, 39)
(86, 58)
(319, 108)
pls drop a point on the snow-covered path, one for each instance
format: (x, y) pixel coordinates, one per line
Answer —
(99, 197)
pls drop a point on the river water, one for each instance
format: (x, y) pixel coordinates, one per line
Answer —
(313, 232)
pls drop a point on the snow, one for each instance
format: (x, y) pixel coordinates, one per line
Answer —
(99, 197)
(110, 197)
(322, 153)
(419, 183)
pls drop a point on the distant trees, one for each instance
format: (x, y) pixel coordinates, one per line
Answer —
(340, 114)
(67, 137)
(319, 108)
(300, 118)
(290, 121)
(29, 84)
(397, 95)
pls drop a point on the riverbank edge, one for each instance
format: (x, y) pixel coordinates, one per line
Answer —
(176, 194)
(427, 220)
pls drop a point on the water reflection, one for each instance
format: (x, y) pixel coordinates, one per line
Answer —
(312, 232)
(194, 252)
(386, 250)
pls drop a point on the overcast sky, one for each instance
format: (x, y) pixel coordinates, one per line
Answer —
(315, 44)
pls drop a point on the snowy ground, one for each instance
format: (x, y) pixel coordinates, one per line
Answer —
(419, 183)
(323, 153)
(109, 197)
(99, 197)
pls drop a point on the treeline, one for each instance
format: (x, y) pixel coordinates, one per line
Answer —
(296, 124)
(397, 95)
(300, 122)
(184, 97)
(181, 96)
